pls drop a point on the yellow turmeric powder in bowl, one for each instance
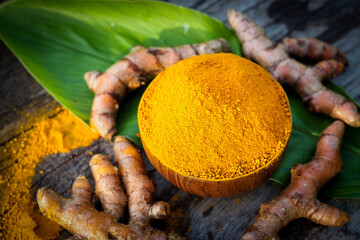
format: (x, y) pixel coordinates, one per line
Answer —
(215, 117)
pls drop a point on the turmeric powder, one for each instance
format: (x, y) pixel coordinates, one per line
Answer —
(18, 217)
(216, 116)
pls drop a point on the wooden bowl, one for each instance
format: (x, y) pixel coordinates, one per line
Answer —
(218, 188)
(160, 105)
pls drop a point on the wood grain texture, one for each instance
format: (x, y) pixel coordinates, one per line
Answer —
(336, 22)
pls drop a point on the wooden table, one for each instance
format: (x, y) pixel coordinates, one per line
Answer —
(336, 22)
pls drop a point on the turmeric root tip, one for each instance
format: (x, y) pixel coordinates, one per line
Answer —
(81, 190)
(159, 210)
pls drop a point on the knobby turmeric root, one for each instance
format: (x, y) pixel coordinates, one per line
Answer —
(140, 65)
(299, 198)
(306, 80)
(78, 215)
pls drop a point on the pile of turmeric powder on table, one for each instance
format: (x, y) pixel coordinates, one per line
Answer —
(19, 158)
(215, 116)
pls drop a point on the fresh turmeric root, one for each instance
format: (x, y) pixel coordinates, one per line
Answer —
(78, 215)
(299, 198)
(307, 81)
(140, 65)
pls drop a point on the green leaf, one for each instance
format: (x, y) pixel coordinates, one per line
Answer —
(58, 41)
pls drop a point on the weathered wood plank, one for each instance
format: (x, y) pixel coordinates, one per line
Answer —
(203, 218)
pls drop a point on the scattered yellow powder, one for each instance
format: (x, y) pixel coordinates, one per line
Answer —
(175, 219)
(215, 116)
(18, 217)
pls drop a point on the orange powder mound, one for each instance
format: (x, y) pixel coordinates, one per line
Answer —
(18, 217)
(215, 116)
